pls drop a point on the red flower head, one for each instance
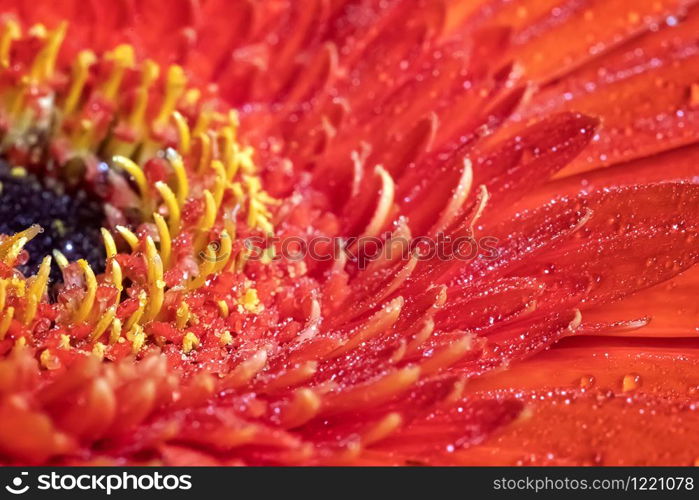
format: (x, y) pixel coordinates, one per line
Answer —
(349, 232)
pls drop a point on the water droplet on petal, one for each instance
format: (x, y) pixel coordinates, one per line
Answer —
(631, 382)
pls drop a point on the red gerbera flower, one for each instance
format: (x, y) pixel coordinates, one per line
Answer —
(349, 232)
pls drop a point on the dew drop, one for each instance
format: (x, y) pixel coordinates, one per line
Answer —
(587, 381)
(631, 382)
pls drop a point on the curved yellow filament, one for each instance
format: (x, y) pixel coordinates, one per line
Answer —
(117, 276)
(220, 182)
(175, 86)
(230, 153)
(180, 174)
(11, 31)
(81, 71)
(109, 243)
(37, 290)
(122, 57)
(203, 121)
(225, 251)
(206, 152)
(7, 245)
(6, 321)
(15, 250)
(138, 313)
(183, 132)
(247, 164)
(60, 259)
(129, 236)
(165, 239)
(173, 207)
(205, 269)
(156, 285)
(182, 315)
(223, 308)
(3, 293)
(89, 299)
(45, 61)
(206, 222)
(149, 74)
(104, 323)
(20, 343)
(135, 172)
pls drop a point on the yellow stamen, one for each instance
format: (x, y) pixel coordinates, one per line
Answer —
(138, 338)
(111, 251)
(206, 152)
(238, 192)
(203, 121)
(230, 153)
(180, 174)
(173, 207)
(226, 338)
(82, 136)
(136, 173)
(156, 285)
(122, 57)
(115, 331)
(223, 309)
(149, 74)
(8, 243)
(89, 299)
(81, 71)
(45, 61)
(14, 251)
(175, 86)
(220, 182)
(98, 350)
(250, 301)
(183, 132)
(189, 342)
(138, 313)
(182, 315)
(117, 276)
(11, 31)
(205, 269)
(165, 239)
(224, 253)
(109, 243)
(19, 285)
(247, 164)
(64, 342)
(37, 290)
(6, 321)
(104, 323)
(48, 360)
(20, 343)
(3, 293)
(206, 222)
(129, 236)
(60, 259)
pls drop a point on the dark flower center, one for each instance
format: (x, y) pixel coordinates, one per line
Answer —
(71, 219)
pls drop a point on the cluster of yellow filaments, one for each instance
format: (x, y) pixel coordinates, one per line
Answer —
(163, 119)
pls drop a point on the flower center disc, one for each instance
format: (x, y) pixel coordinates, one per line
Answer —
(70, 219)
